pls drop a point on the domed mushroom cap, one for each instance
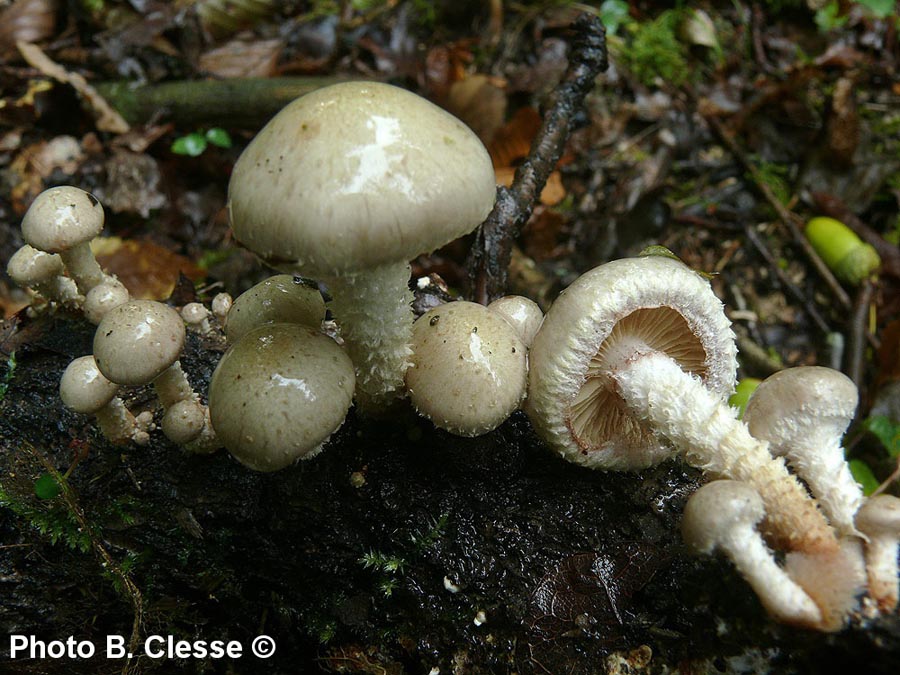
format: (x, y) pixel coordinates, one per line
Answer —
(651, 303)
(358, 175)
(138, 340)
(29, 266)
(83, 388)
(716, 510)
(283, 298)
(469, 368)
(278, 394)
(61, 218)
(522, 313)
(793, 400)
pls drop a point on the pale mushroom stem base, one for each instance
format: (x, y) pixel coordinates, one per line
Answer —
(120, 426)
(374, 311)
(707, 433)
(83, 267)
(881, 563)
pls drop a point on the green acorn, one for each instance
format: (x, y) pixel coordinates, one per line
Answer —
(851, 259)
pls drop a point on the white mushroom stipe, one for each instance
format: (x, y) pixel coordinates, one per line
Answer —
(803, 414)
(348, 184)
(707, 433)
(43, 272)
(722, 515)
(278, 394)
(879, 519)
(63, 220)
(469, 368)
(84, 389)
(522, 313)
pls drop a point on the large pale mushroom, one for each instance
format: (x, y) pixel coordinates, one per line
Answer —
(348, 184)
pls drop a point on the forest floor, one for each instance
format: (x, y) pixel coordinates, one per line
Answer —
(716, 131)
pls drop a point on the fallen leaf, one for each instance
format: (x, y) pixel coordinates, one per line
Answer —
(480, 102)
(242, 58)
(26, 21)
(148, 270)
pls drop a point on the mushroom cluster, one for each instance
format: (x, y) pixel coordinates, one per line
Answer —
(634, 363)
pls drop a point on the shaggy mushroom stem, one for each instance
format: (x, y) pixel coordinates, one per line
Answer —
(722, 515)
(879, 520)
(374, 311)
(706, 431)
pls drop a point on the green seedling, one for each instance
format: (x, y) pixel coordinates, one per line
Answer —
(194, 144)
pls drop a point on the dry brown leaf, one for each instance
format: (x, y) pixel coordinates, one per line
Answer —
(240, 58)
(480, 102)
(36, 162)
(148, 270)
(107, 119)
(553, 193)
(512, 143)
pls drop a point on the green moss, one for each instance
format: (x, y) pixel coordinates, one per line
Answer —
(7, 376)
(655, 51)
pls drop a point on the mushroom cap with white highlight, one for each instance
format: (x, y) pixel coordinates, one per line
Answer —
(83, 388)
(654, 301)
(278, 394)
(282, 298)
(61, 218)
(138, 340)
(469, 368)
(358, 175)
(522, 313)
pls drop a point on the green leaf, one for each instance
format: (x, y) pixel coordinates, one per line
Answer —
(191, 145)
(828, 18)
(885, 430)
(863, 475)
(218, 137)
(613, 13)
(46, 487)
(882, 9)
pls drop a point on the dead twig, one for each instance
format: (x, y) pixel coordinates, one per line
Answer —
(489, 258)
(788, 219)
(859, 333)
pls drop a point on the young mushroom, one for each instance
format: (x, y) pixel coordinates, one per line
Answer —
(348, 184)
(279, 393)
(469, 368)
(84, 389)
(879, 519)
(64, 220)
(139, 343)
(43, 272)
(282, 298)
(723, 515)
(803, 414)
(522, 313)
(637, 354)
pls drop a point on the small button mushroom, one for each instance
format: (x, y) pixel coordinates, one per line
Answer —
(278, 394)
(803, 414)
(196, 317)
(469, 368)
(221, 305)
(139, 343)
(386, 176)
(103, 297)
(64, 220)
(522, 313)
(722, 515)
(84, 389)
(879, 519)
(42, 272)
(637, 356)
(283, 298)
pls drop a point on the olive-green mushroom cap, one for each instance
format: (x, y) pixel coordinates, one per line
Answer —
(282, 298)
(278, 394)
(358, 175)
(138, 340)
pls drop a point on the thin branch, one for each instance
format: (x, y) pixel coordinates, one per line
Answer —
(488, 262)
(859, 333)
(787, 218)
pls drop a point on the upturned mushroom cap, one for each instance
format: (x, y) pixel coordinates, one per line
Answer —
(358, 175)
(83, 388)
(278, 394)
(649, 303)
(522, 313)
(879, 516)
(283, 298)
(790, 403)
(136, 341)
(61, 218)
(469, 368)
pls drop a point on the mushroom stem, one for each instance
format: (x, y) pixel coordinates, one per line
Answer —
(83, 267)
(707, 433)
(374, 311)
(172, 386)
(120, 426)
